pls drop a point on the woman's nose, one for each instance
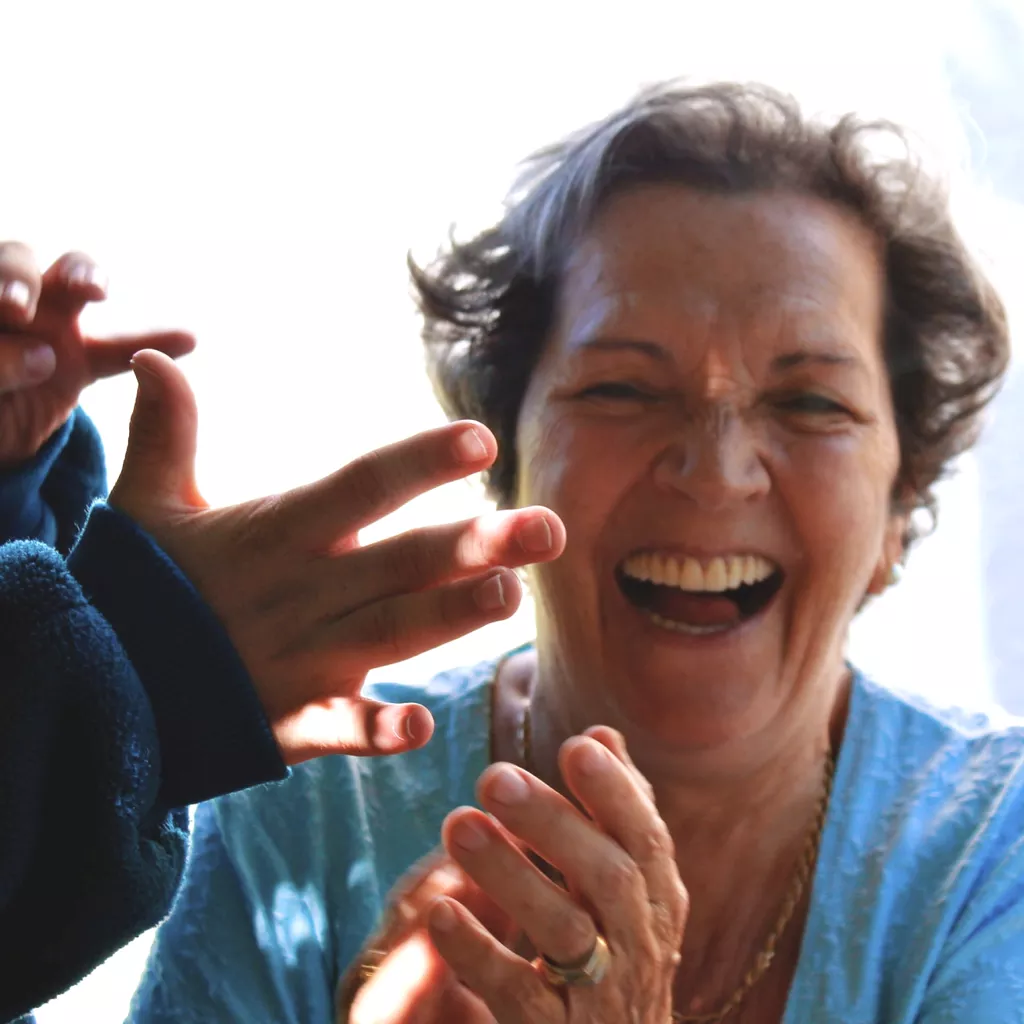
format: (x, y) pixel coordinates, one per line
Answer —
(713, 460)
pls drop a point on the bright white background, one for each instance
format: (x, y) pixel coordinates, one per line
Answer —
(255, 172)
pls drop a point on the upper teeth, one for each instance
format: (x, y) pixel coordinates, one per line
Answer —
(717, 574)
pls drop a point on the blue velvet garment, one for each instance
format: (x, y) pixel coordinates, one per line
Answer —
(917, 911)
(121, 702)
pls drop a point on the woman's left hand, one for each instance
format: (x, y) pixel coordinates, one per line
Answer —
(623, 886)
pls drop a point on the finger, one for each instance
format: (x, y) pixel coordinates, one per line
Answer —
(409, 993)
(351, 725)
(24, 363)
(553, 921)
(616, 743)
(380, 482)
(401, 627)
(434, 875)
(20, 284)
(158, 474)
(425, 558)
(460, 1006)
(510, 987)
(72, 282)
(595, 866)
(408, 985)
(108, 357)
(619, 803)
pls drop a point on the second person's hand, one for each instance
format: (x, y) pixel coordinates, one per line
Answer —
(309, 608)
(45, 359)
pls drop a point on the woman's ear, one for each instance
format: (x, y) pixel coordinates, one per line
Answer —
(890, 558)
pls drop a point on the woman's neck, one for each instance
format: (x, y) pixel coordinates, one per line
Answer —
(710, 791)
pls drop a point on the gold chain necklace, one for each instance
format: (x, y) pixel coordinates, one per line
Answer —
(804, 870)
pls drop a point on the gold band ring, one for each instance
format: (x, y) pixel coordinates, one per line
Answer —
(587, 971)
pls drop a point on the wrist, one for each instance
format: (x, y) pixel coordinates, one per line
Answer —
(214, 736)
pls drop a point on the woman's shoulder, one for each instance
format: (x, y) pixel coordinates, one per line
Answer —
(906, 728)
(958, 772)
(921, 856)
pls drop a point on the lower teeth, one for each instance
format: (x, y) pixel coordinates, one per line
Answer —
(685, 627)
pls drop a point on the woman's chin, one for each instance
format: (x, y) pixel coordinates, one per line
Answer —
(702, 683)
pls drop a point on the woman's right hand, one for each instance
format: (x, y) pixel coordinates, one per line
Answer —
(310, 610)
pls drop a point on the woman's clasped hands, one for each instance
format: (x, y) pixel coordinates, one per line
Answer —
(481, 934)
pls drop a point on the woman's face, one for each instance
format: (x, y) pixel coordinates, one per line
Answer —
(711, 419)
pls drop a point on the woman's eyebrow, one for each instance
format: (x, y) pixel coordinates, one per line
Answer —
(648, 348)
(805, 356)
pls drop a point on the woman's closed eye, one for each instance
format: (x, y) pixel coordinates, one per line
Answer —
(617, 390)
(809, 403)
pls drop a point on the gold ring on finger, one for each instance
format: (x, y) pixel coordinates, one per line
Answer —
(589, 970)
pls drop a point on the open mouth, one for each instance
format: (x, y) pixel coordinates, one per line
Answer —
(697, 597)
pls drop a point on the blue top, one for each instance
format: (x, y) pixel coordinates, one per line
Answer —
(122, 701)
(917, 911)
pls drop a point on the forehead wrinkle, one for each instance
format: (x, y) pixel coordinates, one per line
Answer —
(658, 300)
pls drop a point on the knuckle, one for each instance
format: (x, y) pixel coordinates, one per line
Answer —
(521, 988)
(647, 788)
(471, 551)
(454, 605)
(263, 525)
(681, 904)
(575, 934)
(415, 559)
(656, 842)
(370, 484)
(620, 880)
(384, 626)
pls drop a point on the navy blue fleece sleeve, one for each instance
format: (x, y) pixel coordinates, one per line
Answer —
(121, 700)
(48, 497)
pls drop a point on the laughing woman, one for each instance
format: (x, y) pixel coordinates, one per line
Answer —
(732, 351)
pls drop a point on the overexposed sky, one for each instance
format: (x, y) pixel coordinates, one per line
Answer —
(255, 172)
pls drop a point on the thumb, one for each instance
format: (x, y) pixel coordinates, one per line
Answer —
(159, 465)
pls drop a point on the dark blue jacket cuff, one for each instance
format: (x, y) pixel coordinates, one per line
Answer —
(214, 737)
(24, 515)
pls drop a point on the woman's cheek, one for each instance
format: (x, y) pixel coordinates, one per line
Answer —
(553, 462)
(838, 491)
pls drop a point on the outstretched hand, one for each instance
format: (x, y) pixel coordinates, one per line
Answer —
(45, 360)
(309, 608)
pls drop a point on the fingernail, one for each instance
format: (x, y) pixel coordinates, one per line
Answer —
(590, 760)
(490, 595)
(16, 293)
(442, 917)
(469, 447)
(508, 786)
(86, 274)
(469, 836)
(148, 381)
(405, 729)
(535, 536)
(39, 361)
(448, 876)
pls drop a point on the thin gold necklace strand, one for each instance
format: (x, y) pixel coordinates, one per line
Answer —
(804, 870)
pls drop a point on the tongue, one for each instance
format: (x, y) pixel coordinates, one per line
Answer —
(694, 609)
